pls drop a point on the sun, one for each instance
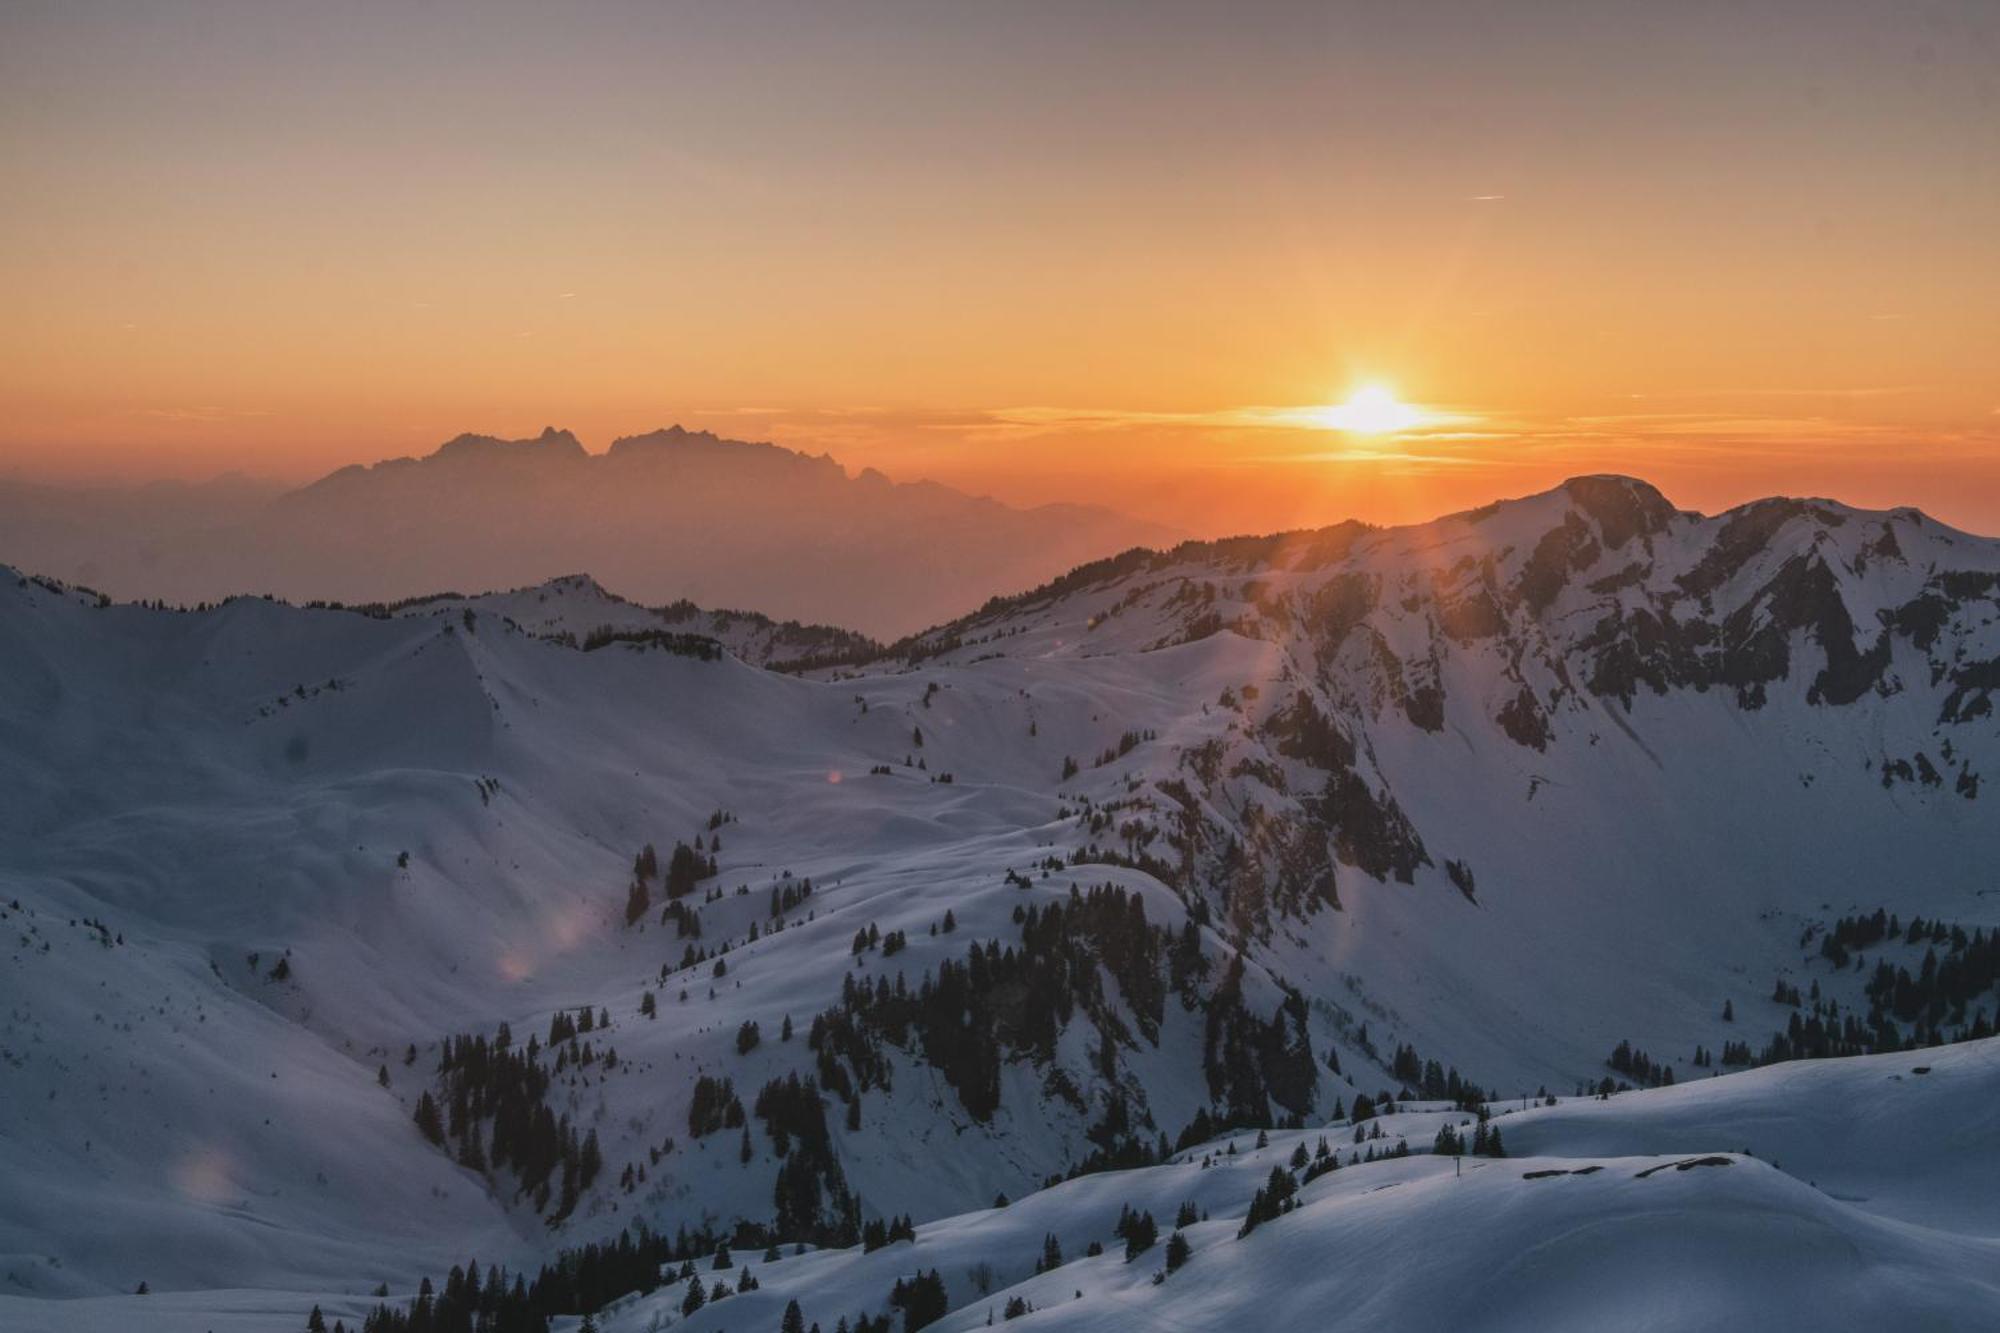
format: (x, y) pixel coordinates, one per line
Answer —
(1372, 409)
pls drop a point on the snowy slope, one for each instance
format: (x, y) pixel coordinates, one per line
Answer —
(576, 607)
(1646, 1210)
(1700, 781)
(1591, 1224)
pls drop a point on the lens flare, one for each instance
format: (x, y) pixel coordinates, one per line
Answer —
(1372, 409)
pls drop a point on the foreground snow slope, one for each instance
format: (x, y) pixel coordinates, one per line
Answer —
(1588, 1226)
(1507, 789)
(1641, 1211)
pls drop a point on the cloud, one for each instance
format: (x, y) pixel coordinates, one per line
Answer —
(1365, 455)
(1029, 421)
(197, 415)
(1850, 392)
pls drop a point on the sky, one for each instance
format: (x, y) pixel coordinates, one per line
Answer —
(1112, 253)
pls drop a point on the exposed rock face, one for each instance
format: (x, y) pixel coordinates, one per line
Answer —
(1537, 622)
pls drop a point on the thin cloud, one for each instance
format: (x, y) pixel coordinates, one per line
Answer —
(1305, 417)
(197, 415)
(1375, 456)
(1850, 392)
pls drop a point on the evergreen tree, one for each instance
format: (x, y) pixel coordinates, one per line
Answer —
(428, 1120)
(1141, 1233)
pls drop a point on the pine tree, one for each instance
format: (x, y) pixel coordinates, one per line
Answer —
(1140, 1234)
(794, 1320)
(428, 1119)
(1178, 1251)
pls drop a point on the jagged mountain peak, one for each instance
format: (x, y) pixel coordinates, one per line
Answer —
(673, 514)
(1532, 615)
(551, 444)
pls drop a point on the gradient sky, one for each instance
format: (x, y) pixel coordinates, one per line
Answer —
(1043, 251)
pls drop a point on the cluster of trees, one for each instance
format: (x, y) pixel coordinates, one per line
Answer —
(1274, 1199)
(1009, 1000)
(1434, 1082)
(811, 1197)
(698, 1296)
(1322, 1160)
(485, 1081)
(1639, 1067)
(788, 895)
(1485, 1141)
(923, 1300)
(1138, 1230)
(698, 646)
(467, 1304)
(1004, 1001)
(871, 937)
(1368, 831)
(1127, 743)
(1943, 987)
(1936, 1001)
(1254, 1063)
(878, 1235)
(581, 1278)
(686, 867)
(1118, 1144)
(714, 1106)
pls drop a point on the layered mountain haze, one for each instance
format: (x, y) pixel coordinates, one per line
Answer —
(669, 516)
(495, 924)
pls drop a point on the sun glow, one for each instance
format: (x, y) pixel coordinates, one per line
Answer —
(1372, 409)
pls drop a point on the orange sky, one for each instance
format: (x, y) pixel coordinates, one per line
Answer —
(1081, 252)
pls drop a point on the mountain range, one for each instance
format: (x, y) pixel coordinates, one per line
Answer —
(668, 516)
(1609, 823)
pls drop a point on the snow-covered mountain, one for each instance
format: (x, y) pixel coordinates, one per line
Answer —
(672, 515)
(576, 610)
(1571, 788)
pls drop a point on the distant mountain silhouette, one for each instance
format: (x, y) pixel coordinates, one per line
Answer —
(662, 516)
